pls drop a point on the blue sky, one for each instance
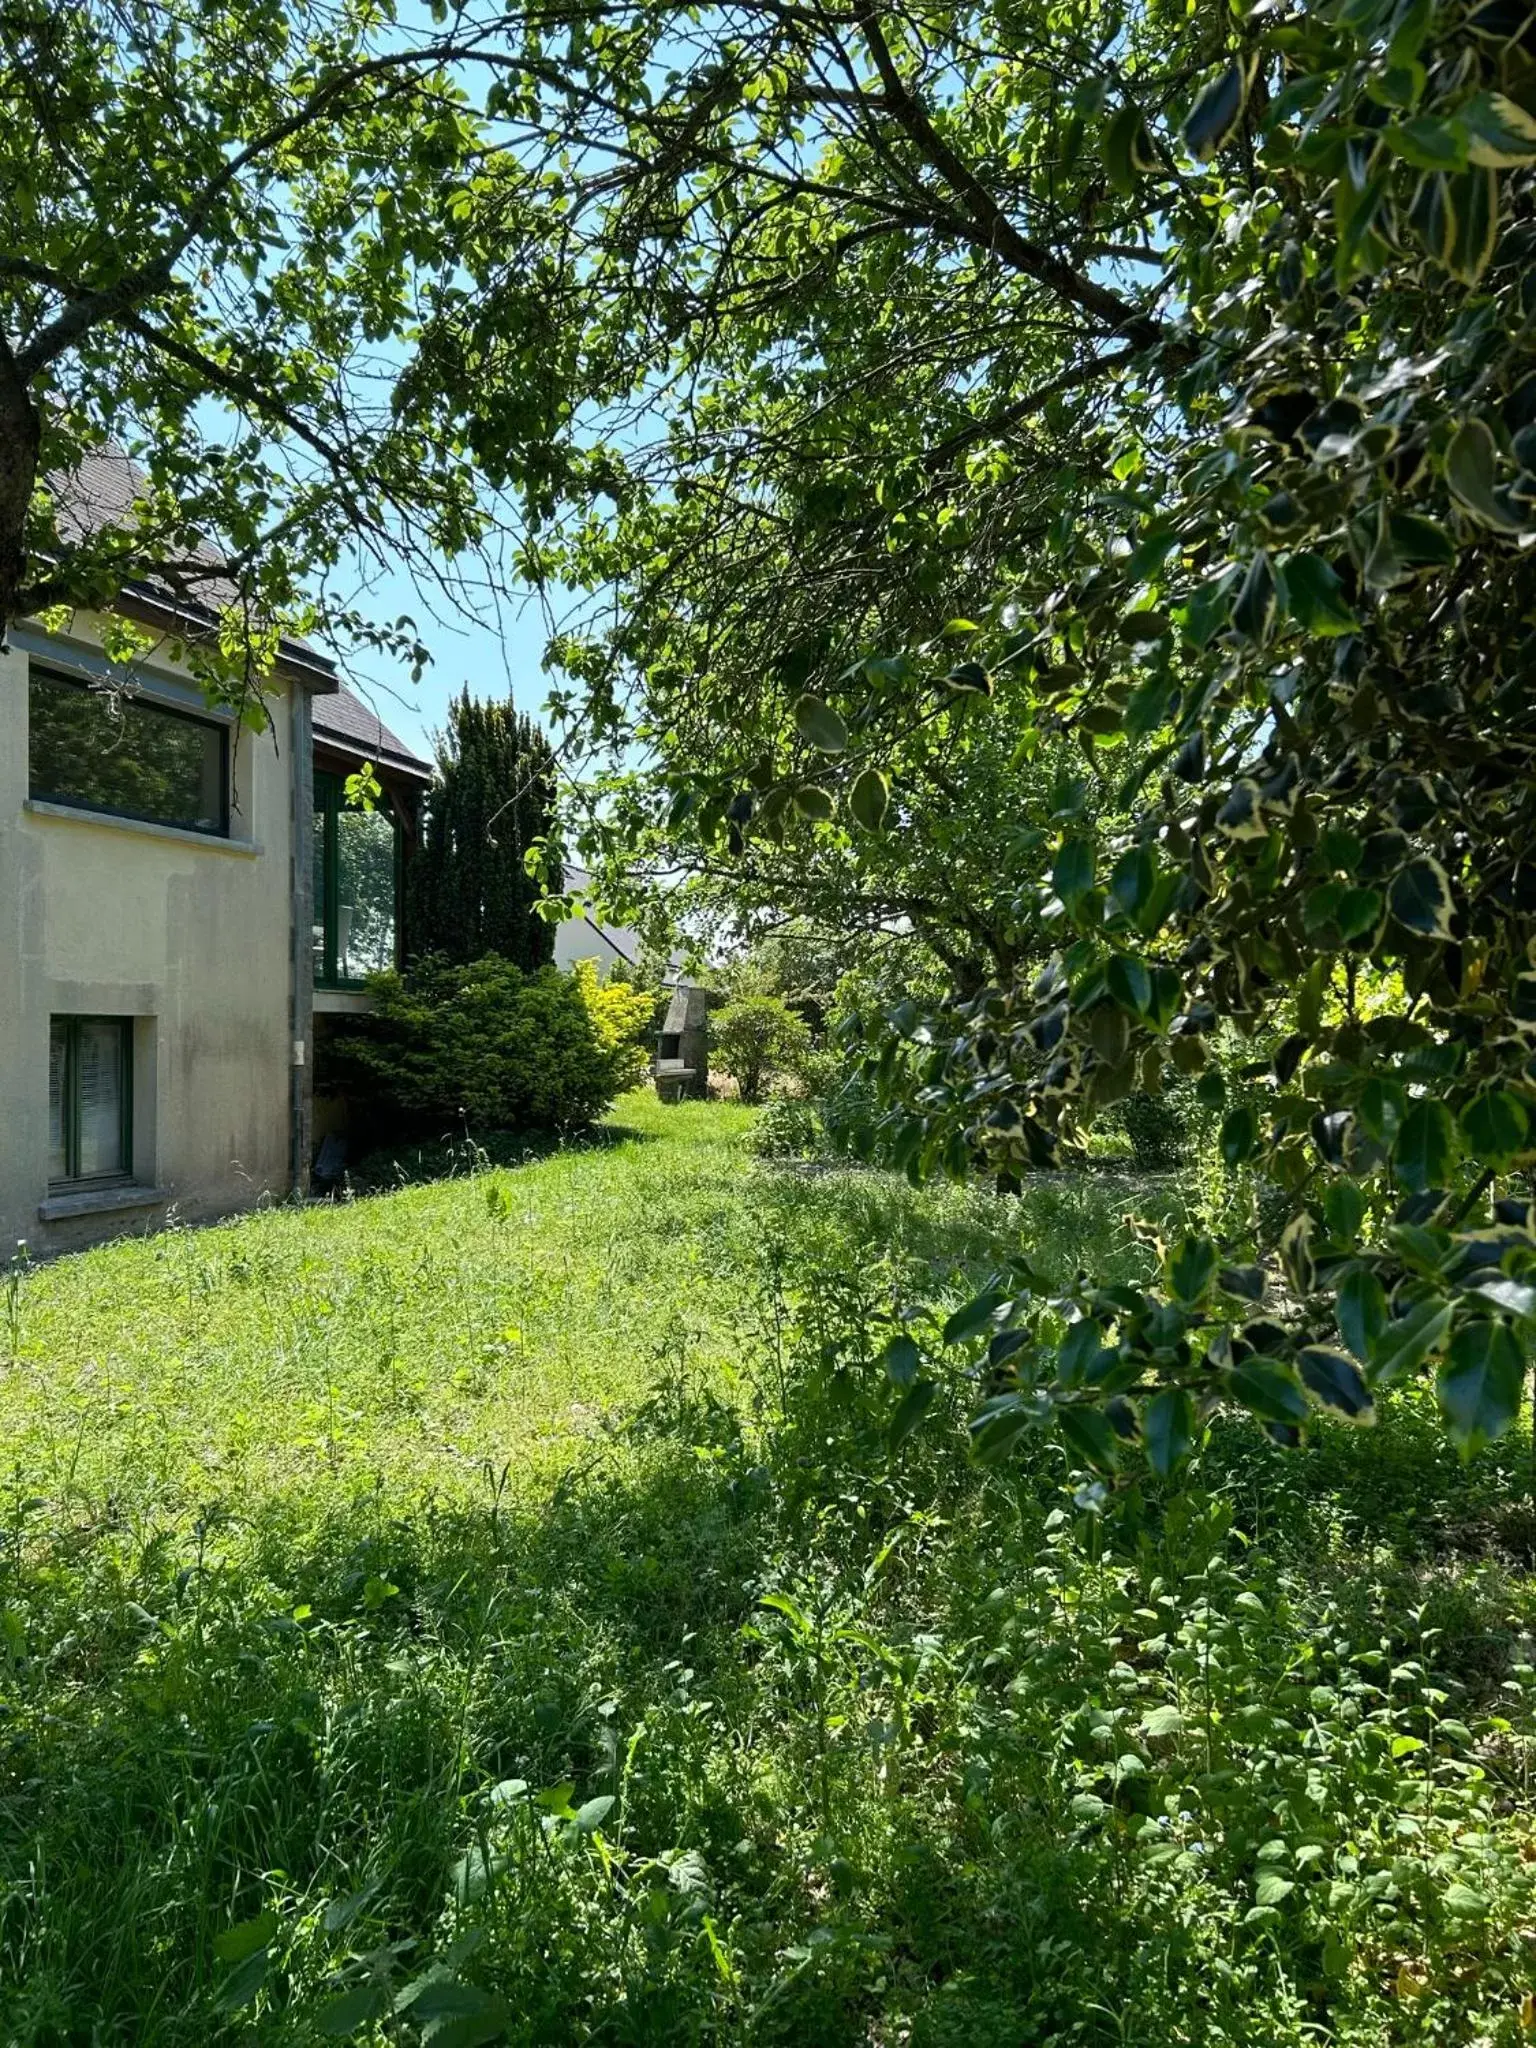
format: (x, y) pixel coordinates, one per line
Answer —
(491, 655)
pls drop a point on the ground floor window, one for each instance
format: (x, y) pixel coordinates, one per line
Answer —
(357, 885)
(90, 1099)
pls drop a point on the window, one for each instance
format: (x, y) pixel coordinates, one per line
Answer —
(125, 755)
(90, 1100)
(357, 884)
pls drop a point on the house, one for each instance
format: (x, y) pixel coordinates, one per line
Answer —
(184, 907)
(583, 938)
(156, 978)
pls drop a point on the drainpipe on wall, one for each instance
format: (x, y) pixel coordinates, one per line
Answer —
(301, 875)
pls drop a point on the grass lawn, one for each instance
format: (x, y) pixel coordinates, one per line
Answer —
(411, 1340)
(497, 1610)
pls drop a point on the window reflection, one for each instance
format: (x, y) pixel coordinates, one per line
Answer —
(356, 877)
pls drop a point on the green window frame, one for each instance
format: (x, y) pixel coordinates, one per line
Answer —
(103, 1158)
(330, 806)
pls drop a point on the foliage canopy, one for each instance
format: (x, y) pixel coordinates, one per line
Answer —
(1271, 586)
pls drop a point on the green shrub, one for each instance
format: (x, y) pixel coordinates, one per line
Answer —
(1156, 1128)
(756, 1038)
(787, 1129)
(490, 1046)
(623, 1016)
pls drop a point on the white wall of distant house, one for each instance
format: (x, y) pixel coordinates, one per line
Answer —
(578, 938)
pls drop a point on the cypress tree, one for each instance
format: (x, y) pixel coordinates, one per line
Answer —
(469, 894)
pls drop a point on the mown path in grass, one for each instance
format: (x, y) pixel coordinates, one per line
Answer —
(497, 1320)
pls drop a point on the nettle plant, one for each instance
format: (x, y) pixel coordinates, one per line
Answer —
(1305, 603)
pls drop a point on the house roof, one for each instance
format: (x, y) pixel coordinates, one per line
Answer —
(345, 723)
(102, 491)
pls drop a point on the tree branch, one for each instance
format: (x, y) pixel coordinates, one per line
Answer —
(1008, 416)
(1026, 256)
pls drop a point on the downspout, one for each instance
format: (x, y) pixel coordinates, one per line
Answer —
(301, 878)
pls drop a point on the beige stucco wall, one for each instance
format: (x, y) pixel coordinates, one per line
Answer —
(189, 937)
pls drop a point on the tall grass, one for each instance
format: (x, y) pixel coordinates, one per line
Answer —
(497, 1610)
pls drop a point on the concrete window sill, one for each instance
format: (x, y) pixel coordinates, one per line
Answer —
(99, 1202)
(211, 842)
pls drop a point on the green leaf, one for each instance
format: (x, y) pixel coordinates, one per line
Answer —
(1216, 112)
(1406, 1342)
(1272, 1888)
(471, 2030)
(236, 1943)
(1191, 1269)
(1090, 1434)
(1425, 1151)
(1466, 1900)
(590, 1817)
(819, 725)
(1072, 874)
(244, 1982)
(901, 1359)
(1129, 983)
(1267, 1389)
(971, 1318)
(815, 804)
(1479, 1383)
(1161, 1721)
(1358, 911)
(1473, 199)
(1496, 1127)
(909, 1412)
(1420, 898)
(1141, 628)
(1502, 133)
(1132, 881)
(1361, 1309)
(1128, 149)
(352, 2011)
(1429, 143)
(1335, 1381)
(1344, 1211)
(869, 799)
(1253, 612)
(1314, 596)
(1168, 1428)
(1471, 466)
(1239, 1134)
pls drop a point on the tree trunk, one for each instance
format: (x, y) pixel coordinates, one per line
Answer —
(20, 441)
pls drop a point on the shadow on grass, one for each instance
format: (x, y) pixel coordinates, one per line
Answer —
(420, 1162)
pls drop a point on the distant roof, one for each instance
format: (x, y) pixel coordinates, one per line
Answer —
(353, 727)
(101, 492)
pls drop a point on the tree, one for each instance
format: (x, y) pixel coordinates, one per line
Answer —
(756, 1037)
(250, 278)
(1274, 583)
(470, 892)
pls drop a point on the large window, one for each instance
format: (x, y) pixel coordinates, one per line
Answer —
(90, 1100)
(101, 751)
(357, 882)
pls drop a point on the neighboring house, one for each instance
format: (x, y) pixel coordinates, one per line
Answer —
(583, 938)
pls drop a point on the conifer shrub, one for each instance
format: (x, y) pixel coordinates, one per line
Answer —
(491, 1047)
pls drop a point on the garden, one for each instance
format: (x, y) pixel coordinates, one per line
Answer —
(1019, 1526)
(525, 1606)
